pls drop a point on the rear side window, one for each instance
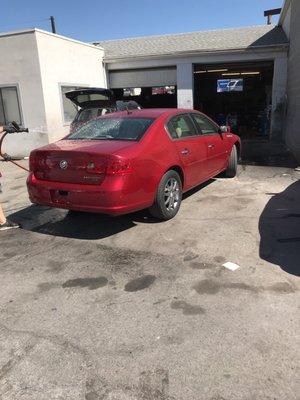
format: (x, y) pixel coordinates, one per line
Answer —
(181, 126)
(204, 125)
(112, 129)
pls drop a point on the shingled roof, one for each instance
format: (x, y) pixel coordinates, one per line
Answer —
(193, 42)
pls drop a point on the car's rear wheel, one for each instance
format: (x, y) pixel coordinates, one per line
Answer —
(232, 163)
(168, 197)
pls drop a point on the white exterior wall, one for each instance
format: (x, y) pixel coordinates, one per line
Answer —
(185, 85)
(279, 98)
(286, 23)
(66, 62)
(19, 65)
(292, 17)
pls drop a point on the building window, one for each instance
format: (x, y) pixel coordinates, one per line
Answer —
(9, 105)
(69, 109)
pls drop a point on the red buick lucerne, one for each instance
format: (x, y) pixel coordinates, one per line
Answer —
(131, 160)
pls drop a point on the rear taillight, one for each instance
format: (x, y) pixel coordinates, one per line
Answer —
(33, 162)
(113, 165)
(37, 165)
(118, 166)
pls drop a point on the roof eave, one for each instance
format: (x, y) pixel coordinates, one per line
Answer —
(54, 35)
(282, 46)
(18, 32)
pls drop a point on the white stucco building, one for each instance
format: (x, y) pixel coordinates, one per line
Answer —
(37, 67)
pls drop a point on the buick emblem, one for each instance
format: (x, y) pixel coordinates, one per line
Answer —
(63, 164)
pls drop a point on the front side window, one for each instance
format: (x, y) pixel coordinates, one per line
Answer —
(9, 106)
(181, 126)
(204, 125)
(69, 109)
(112, 129)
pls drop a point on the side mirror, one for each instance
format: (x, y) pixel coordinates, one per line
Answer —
(223, 129)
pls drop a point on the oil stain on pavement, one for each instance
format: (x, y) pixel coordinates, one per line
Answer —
(140, 283)
(54, 266)
(202, 265)
(187, 309)
(210, 286)
(219, 259)
(189, 256)
(46, 286)
(90, 283)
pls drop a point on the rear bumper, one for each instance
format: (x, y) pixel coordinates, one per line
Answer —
(111, 197)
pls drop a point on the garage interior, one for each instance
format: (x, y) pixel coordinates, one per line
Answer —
(236, 94)
(149, 97)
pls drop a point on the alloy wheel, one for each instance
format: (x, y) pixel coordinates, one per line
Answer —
(171, 194)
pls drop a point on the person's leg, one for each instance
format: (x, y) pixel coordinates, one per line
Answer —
(6, 224)
(2, 216)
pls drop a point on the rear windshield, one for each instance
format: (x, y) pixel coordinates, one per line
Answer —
(84, 97)
(112, 129)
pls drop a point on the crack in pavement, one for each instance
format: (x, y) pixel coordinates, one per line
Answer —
(54, 339)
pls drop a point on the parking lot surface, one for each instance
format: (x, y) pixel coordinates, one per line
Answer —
(128, 308)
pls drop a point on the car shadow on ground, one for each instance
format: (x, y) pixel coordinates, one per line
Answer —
(279, 227)
(81, 225)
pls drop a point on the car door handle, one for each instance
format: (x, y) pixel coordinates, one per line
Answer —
(185, 151)
(211, 146)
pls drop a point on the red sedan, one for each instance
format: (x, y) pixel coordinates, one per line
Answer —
(131, 160)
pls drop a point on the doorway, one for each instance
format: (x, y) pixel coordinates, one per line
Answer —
(236, 94)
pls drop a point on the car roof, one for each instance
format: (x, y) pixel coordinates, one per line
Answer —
(147, 113)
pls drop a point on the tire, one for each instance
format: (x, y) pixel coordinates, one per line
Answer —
(168, 197)
(232, 164)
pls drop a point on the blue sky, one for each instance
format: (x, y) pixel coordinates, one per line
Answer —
(94, 20)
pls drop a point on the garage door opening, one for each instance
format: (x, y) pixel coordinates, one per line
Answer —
(149, 97)
(239, 95)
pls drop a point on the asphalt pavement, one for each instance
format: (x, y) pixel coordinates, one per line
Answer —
(128, 308)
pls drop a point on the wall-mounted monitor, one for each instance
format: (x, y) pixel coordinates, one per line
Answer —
(230, 85)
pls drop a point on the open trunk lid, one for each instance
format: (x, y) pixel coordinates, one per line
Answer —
(91, 97)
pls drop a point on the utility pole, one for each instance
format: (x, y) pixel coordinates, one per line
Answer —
(53, 24)
(269, 13)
